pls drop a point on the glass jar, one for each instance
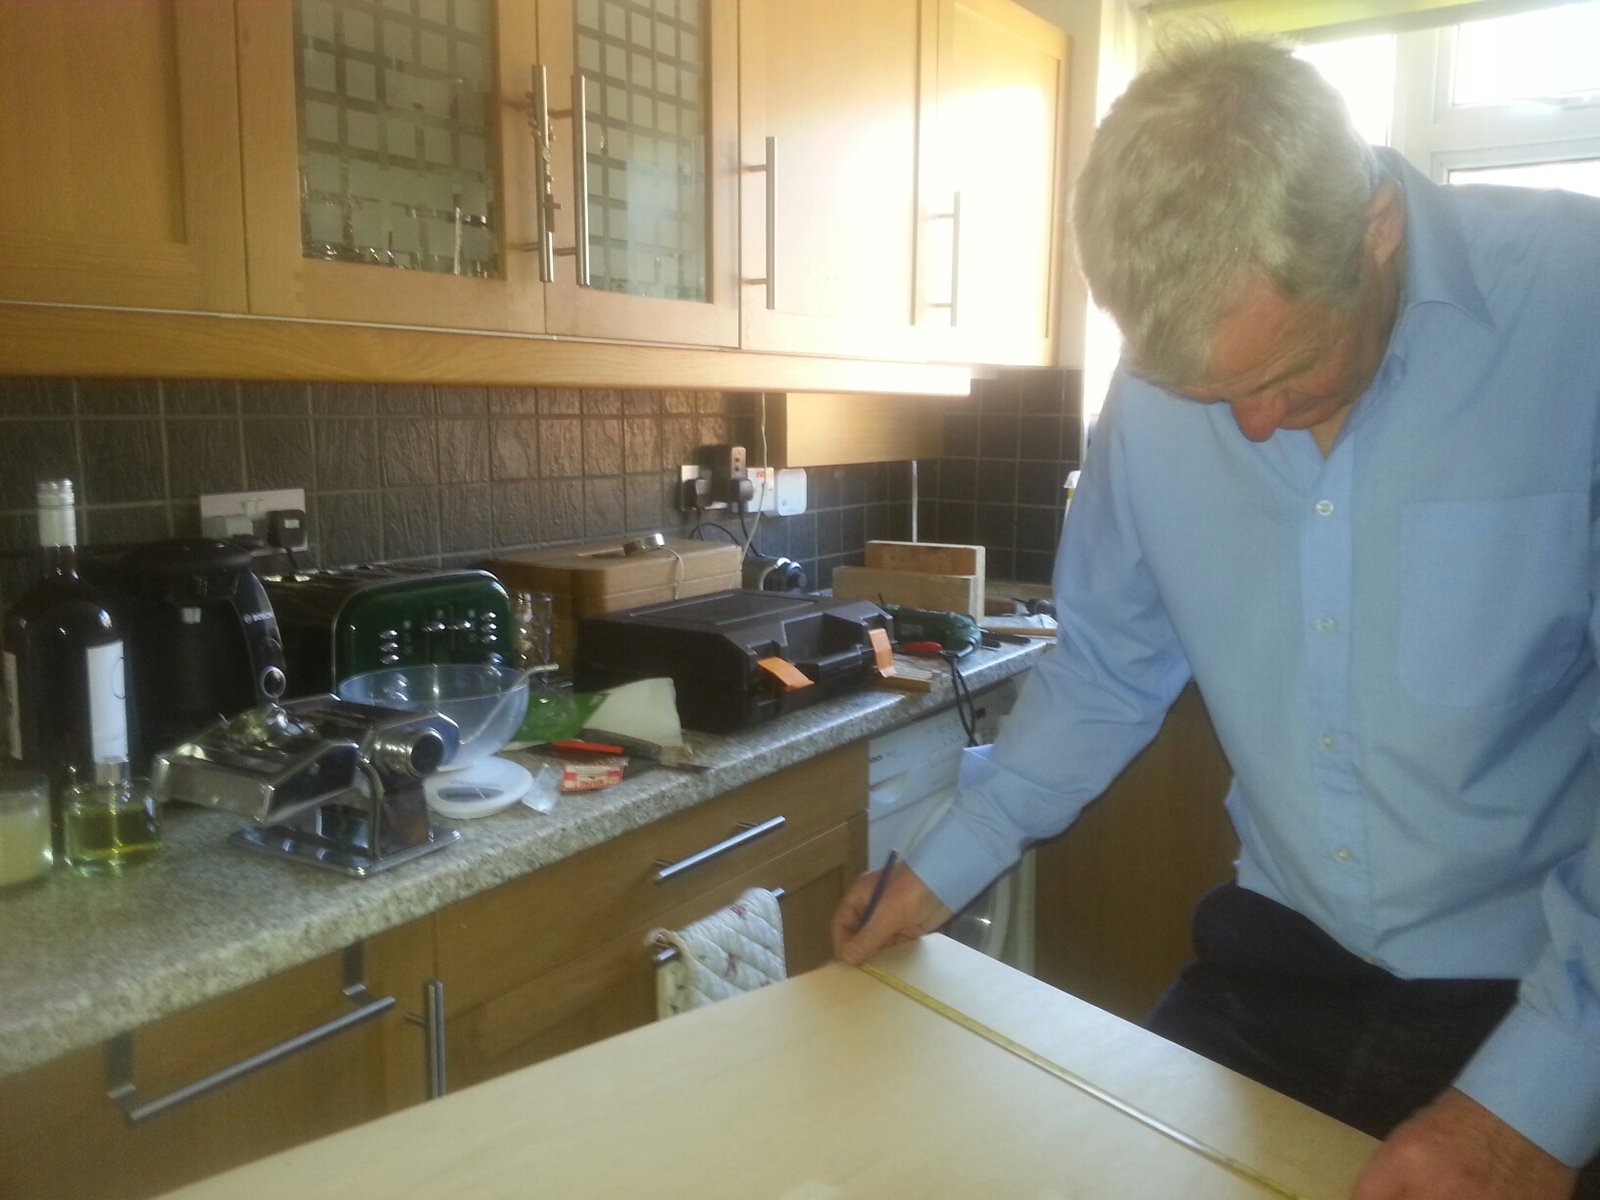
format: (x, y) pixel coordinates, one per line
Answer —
(109, 826)
(25, 853)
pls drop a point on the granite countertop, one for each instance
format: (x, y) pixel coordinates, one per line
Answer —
(83, 959)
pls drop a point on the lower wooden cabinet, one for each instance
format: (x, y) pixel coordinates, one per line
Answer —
(1115, 891)
(532, 968)
(62, 1136)
(555, 960)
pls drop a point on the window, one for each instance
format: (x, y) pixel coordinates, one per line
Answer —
(1513, 100)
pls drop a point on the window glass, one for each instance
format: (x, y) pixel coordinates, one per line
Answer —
(1577, 175)
(1545, 55)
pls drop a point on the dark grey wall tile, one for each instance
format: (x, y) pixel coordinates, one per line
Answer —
(348, 528)
(406, 400)
(602, 446)
(565, 402)
(410, 522)
(645, 502)
(122, 461)
(274, 399)
(36, 397)
(604, 511)
(641, 444)
(504, 401)
(200, 398)
(35, 450)
(561, 447)
(461, 401)
(277, 453)
(466, 518)
(125, 523)
(204, 456)
(408, 450)
(562, 504)
(119, 398)
(463, 450)
(344, 399)
(514, 447)
(349, 454)
(520, 518)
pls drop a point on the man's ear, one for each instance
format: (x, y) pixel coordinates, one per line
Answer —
(1386, 222)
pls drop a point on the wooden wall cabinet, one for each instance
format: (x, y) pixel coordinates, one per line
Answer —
(61, 1137)
(405, 152)
(828, 227)
(119, 155)
(992, 196)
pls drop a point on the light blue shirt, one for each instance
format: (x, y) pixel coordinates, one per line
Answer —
(1396, 642)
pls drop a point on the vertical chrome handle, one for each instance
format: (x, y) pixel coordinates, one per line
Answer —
(580, 175)
(539, 120)
(954, 217)
(433, 1035)
(770, 167)
(433, 1043)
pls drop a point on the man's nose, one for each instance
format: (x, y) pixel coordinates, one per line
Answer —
(1259, 417)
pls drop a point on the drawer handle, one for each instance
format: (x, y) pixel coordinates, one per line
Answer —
(747, 833)
(119, 1053)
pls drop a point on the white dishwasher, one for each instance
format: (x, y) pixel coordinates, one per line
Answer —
(911, 778)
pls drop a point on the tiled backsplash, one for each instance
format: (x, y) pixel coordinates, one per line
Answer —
(453, 475)
(1007, 451)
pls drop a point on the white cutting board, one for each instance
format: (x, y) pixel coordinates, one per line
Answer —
(834, 1084)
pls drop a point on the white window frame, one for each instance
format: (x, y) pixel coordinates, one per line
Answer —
(1438, 136)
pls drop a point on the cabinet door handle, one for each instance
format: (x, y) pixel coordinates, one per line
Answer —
(747, 833)
(433, 1033)
(580, 177)
(770, 167)
(119, 1053)
(954, 217)
(544, 200)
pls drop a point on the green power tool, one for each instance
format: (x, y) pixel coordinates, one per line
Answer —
(953, 631)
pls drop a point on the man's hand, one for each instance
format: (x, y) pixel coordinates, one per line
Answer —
(907, 910)
(1455, 1149)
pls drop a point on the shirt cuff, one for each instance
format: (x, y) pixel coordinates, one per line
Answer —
(1534, 1076)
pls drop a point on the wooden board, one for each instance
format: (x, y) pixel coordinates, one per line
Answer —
(933, 558)
(836, 1084)
(942, 593)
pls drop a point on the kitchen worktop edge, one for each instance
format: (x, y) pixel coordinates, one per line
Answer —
(82, 960)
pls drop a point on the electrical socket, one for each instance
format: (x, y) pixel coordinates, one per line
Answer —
(777, 491)
(232, 514)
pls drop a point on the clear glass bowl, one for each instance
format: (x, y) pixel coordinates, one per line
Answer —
(487, 702)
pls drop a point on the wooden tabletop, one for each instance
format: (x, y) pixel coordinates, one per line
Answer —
(951, 1075)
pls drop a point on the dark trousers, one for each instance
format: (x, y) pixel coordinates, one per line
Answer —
(1273, 997)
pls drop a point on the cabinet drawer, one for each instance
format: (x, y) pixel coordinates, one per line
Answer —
(492, 942)
(62, 1136)
(612, 988)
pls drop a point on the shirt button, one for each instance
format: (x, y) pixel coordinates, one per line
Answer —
(1343, 854)
(1327, 625)
(1327, 741)
(1324, 508)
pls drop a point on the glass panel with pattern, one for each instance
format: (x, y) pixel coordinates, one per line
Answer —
(648, 113)
(397, 138)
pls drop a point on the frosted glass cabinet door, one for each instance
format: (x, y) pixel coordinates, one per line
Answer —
(649, 252)
(389, 159)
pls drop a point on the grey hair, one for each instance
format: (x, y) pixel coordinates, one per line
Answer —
(1229, 159)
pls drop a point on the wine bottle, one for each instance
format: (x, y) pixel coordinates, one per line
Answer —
(63, 658)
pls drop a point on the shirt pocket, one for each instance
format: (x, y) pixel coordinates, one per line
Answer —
(1494, 597)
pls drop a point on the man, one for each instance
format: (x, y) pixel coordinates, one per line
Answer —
(1345, 480)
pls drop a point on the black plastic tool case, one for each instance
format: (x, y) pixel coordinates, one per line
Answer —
(710, 646)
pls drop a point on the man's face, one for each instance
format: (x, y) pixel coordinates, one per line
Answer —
(1293, 364)
(1288, 364)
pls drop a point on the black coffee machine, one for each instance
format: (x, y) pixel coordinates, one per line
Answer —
(202, 642)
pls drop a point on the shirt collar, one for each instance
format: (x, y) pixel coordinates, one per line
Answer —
(1438, 267)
